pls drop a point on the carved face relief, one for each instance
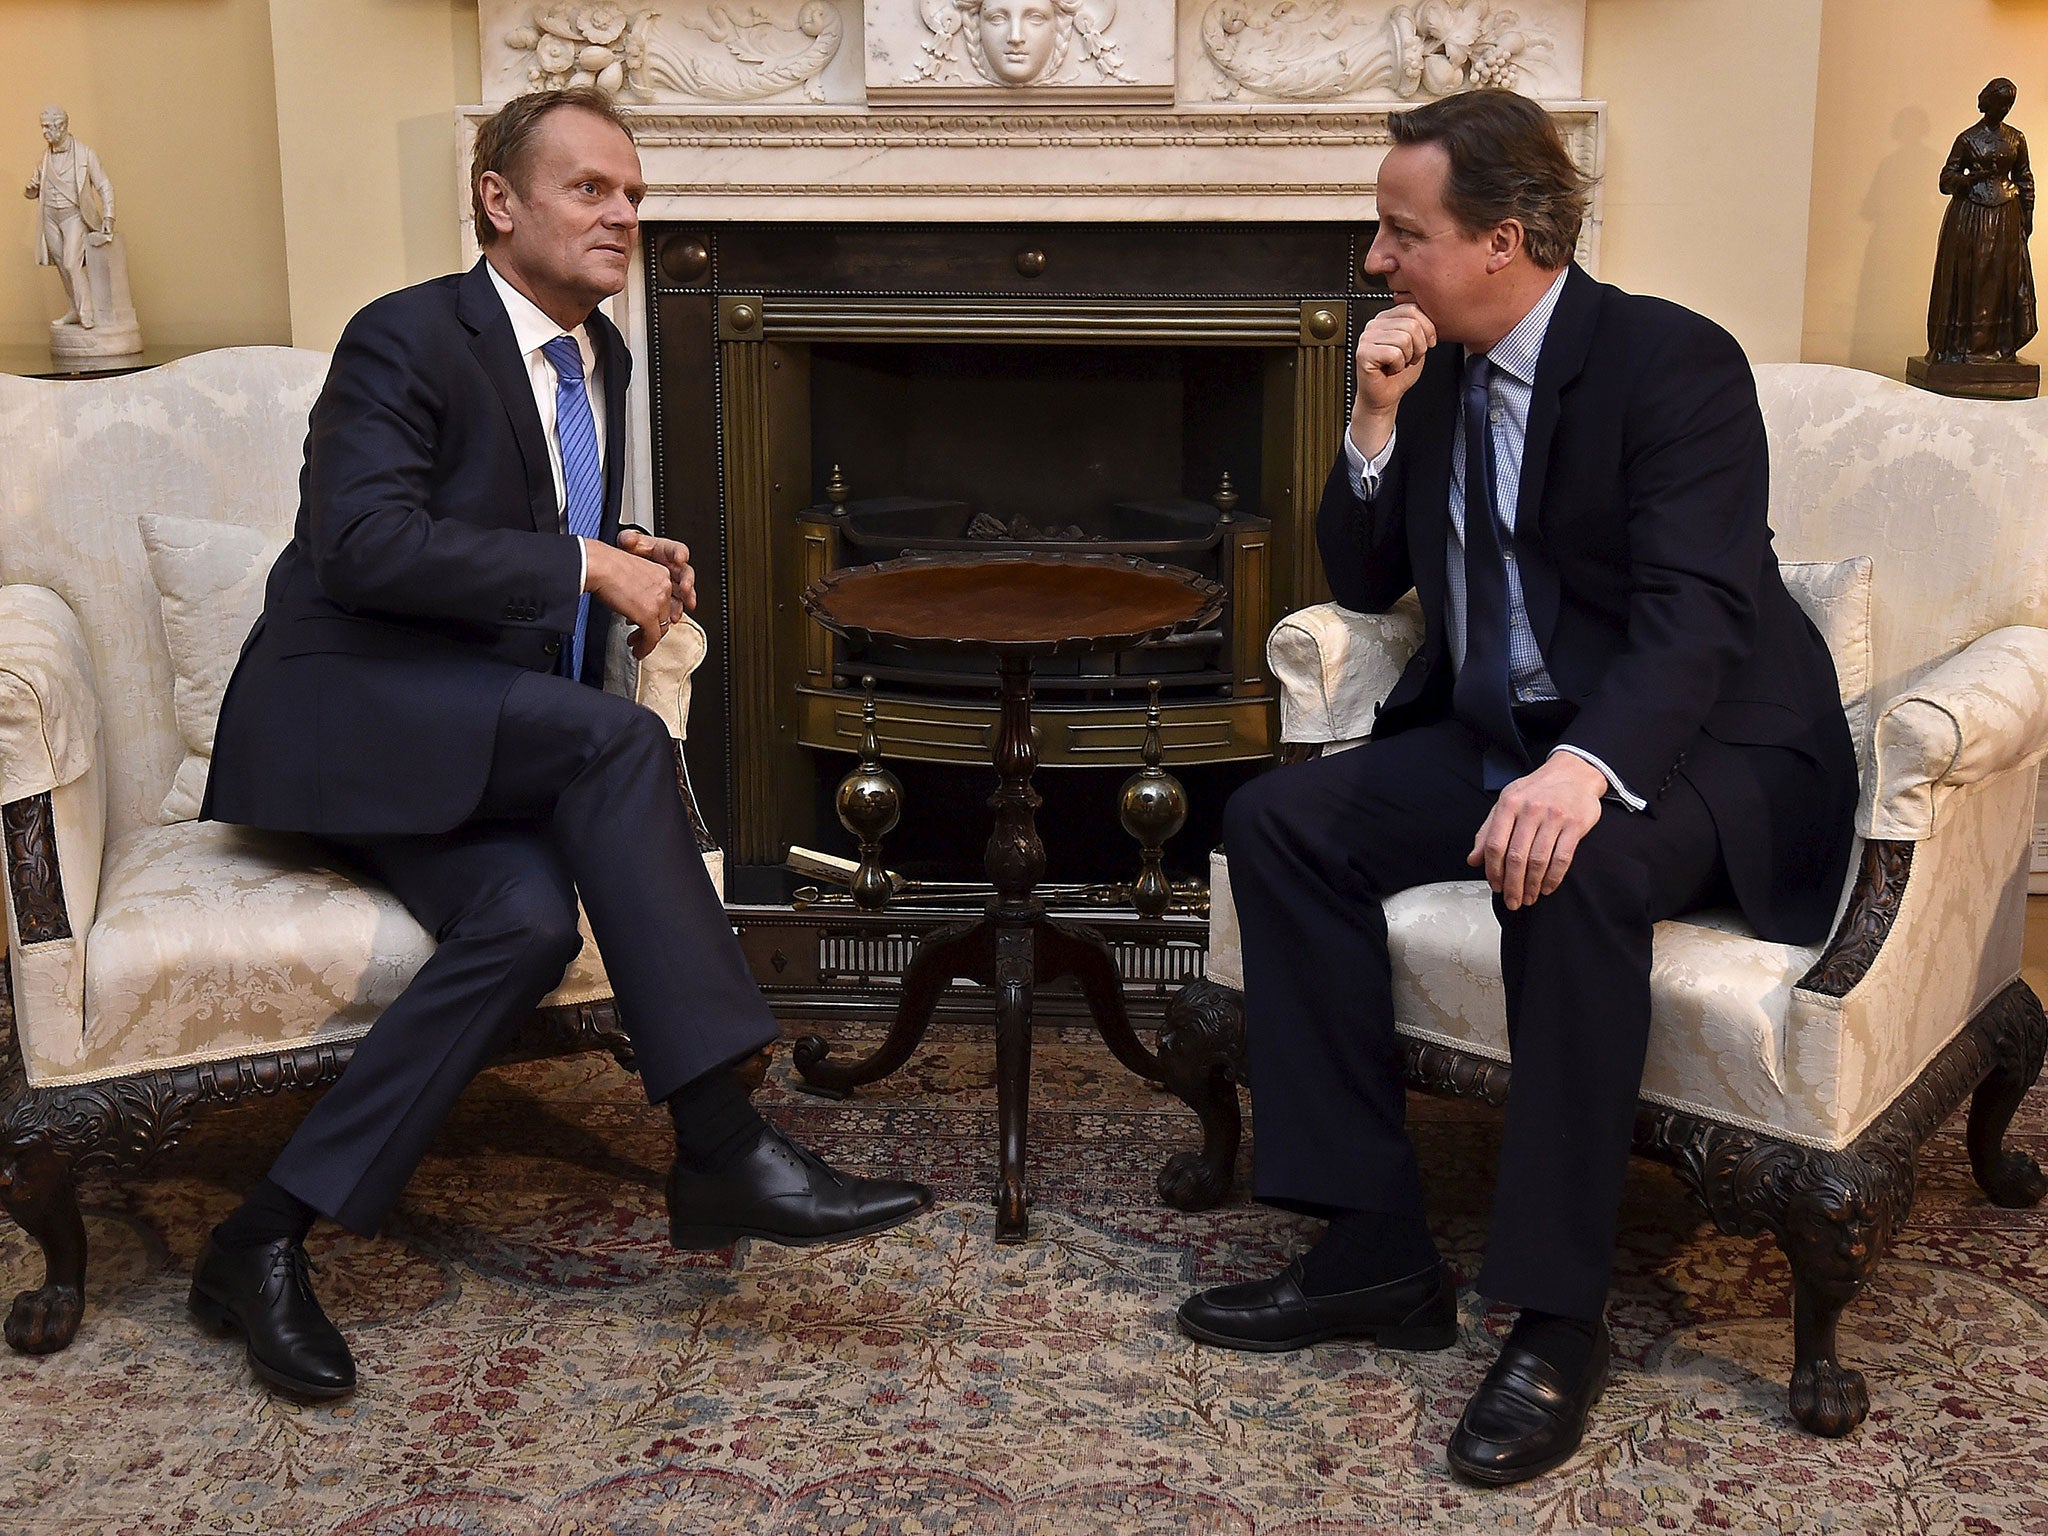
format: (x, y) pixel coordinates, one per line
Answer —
(55, 125)
(1019, 38)
(1014, 43)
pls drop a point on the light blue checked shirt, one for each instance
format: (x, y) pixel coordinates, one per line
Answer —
(1512, 386)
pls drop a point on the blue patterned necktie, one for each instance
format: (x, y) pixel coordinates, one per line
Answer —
(582, 477)
(1482, 695)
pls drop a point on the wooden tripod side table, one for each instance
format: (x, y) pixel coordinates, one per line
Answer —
(1017, 608)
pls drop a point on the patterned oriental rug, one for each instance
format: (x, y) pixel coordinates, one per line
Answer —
(535, 1360)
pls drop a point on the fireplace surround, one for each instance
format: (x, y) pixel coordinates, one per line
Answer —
(827, 395)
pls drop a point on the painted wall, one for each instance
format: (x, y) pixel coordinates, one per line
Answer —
(176, 100)
(1898, 81)
(1709, 162)
(366, 92)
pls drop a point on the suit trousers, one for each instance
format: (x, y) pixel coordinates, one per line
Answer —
(582, 799)
(1314, 850)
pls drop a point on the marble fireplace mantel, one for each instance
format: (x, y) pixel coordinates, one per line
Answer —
(996, 110)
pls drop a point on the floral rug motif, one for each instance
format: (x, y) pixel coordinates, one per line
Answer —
(536, 1362)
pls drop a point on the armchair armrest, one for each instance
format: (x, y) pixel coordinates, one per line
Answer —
(53, 819)
(1982, 712)
(662, 683)
(1335, 667)
(49, 710)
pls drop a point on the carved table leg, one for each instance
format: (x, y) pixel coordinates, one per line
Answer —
(37, 1190)
(1201, 1059)
(1015, 967)
(961, 949)
(2007, 1175)
(1066, 949)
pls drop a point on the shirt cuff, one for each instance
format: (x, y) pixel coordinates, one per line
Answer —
(582, 567)
(1621, 791)
(1365, 473)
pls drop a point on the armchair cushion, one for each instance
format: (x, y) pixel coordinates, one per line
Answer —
(215, 941)
(209, 580)
(1835, 594)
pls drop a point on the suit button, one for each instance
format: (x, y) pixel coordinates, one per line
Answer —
(553, 648)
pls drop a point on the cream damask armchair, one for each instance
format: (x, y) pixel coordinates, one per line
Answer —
(162, 965)
(1790, 1087)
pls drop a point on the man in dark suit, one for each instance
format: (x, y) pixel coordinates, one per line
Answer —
(1617, 714)
(424, 690)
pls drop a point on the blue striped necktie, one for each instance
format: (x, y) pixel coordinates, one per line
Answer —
(1482, 694)
(582, 477)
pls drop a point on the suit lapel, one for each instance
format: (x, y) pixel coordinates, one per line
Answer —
(1562, 359)
(1558, 366)
(482, 312)
(615, 366)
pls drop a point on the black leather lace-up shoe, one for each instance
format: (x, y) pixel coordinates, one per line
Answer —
(784, 1193)
(266, 1295)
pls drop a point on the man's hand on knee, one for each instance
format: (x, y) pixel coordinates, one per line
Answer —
(1527, 841)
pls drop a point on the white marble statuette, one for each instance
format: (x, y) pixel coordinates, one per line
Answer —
(75, 234)
(693, 50)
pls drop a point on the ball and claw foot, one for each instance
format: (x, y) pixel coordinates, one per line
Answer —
(1828, 1398)
(2013, 1180)
(1191, 1182)
(45, 1321)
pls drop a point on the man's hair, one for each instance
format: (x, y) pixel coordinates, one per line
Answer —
(505, 142)
(1507, 162)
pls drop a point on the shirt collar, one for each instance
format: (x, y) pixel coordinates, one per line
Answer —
(531, 328)
(1516, 352)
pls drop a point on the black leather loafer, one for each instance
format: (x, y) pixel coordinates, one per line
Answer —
(1418, 1311)
(266, 1295)
(786, 1194)
(1526, 1418)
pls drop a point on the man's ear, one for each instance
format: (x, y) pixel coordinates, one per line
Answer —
(1504, 244)
(497, 196)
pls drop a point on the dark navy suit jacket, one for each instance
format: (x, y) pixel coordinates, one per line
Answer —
(426, 571)
(1645, 555)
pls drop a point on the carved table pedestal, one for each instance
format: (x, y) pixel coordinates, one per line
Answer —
(1016, 608)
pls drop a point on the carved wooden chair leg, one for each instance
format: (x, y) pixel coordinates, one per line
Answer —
(1837, 1222)
(37, 1190)
(2020, 1034)
(1201, 1061)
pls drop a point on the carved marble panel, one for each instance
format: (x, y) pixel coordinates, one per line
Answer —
(720, 53)
(1352, 51)
(1005, 52)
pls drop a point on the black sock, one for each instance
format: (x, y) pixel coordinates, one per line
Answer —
(1565, 1342)
(716, 1123)
(269, 1213)
(1363, 1248)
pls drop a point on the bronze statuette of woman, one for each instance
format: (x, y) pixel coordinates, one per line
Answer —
(1982, 309)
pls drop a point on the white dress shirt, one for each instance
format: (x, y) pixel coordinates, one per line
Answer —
(532, 330)
(1512, 387)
